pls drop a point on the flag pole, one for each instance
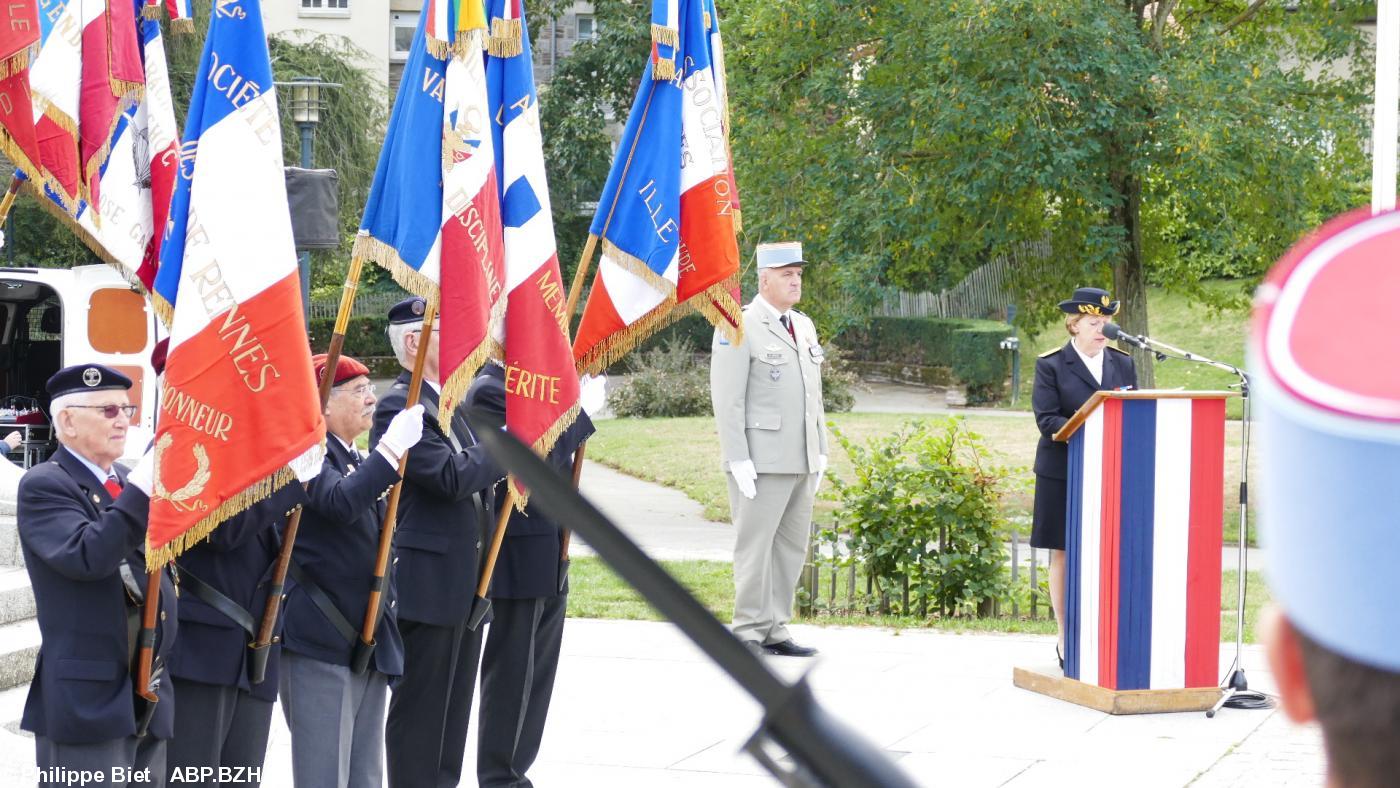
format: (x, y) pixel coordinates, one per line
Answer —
(1384, 123)
(146, 641)
(364, 647)
(261, 645)
(8, 201)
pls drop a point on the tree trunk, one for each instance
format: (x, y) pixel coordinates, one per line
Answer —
(1129, 279)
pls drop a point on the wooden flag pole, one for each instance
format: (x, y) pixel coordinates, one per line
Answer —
(146, 640)
(364, 647)
(8, 201)
(261, 645)
(575, 291)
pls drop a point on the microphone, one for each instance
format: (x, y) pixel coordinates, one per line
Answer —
(1112, 331)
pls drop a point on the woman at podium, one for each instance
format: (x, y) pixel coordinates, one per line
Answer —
(1064, 379)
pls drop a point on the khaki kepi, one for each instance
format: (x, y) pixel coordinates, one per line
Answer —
(779, 255)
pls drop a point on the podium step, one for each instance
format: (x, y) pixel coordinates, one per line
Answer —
(1048, 681)
(21, 645)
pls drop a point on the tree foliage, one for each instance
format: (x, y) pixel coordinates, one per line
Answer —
(907, 142)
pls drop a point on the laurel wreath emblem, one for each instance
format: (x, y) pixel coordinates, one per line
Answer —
(190, 489)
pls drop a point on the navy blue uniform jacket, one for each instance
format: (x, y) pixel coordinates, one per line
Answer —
(337, 543)
(1062, 384)
(74, 538)
(528, 566)
(236, 560)
(438, 537)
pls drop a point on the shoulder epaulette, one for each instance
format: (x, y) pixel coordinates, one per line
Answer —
(1052, 351)
(1124, 352)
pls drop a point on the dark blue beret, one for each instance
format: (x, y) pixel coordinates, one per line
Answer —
(409, 310)
(86, 377)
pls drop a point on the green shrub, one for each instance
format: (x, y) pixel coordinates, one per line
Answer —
(364, 336)
(971, 349)
(924, 508)
(980, 363)
(838, 381)
(664, 381)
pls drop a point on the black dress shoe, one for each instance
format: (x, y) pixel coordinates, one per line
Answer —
(788, 648)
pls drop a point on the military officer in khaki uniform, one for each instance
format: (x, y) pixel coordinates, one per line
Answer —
(767, 394)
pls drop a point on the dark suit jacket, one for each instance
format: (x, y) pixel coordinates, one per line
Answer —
(75, 538)
(438, 535)
(236, 560)
(1062, 384)
(337, 543)
(528, 566)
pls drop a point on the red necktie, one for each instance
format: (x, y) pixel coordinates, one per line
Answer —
(787, 323)
(114, 487)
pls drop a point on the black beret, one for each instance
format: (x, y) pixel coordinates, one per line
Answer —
(1090, 301)
(86, 377)
(409, 310)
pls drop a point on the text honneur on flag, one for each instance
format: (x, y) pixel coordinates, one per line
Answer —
(137, 178)
(239, 401)
(433, 217)
(666, 216)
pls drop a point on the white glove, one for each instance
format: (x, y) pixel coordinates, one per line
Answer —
(307, 465)
(592, 393)
(403, 433)
(746, 477)
(2, 239)
(821, 463)
(143, 475)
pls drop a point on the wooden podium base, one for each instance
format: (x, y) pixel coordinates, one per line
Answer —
(1048, 681)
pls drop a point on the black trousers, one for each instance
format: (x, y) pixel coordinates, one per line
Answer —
(517, 682)
(425, 737)
(219, 726)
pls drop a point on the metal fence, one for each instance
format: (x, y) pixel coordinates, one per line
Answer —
(828, 587)
(984, 293)
(373, 304)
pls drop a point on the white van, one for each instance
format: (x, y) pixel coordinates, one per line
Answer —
(51, 318)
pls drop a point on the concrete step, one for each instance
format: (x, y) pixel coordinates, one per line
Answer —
(10, 554)
(16, 597)
(19, 645)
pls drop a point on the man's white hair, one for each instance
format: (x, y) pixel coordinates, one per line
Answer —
(62, 403)
(397, 332)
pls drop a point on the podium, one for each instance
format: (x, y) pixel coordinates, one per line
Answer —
(1142, 548)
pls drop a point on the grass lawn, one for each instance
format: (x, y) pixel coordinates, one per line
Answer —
(649, 449)
(595, 592)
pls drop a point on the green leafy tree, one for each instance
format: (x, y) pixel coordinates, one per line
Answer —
(908, 142)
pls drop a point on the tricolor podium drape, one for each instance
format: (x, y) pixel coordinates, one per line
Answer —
(1142, 540)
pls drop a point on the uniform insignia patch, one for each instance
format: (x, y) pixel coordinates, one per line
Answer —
(775, 373)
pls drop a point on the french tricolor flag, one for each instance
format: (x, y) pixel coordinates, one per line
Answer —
(1143, 562)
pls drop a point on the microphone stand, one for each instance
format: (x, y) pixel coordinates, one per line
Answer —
(1237, 694)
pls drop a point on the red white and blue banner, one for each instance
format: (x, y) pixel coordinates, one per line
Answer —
(55, 81)
(1142, 544)
(542, 386)
(19, 42)
(433, 217)
(239, 400)
(180, 12)
(666, 216)
(137, 178)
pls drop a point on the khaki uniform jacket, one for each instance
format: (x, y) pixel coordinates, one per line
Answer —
(767, 394)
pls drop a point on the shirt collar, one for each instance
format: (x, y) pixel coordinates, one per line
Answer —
(348, 447)
(1094, 363)
(773, 310)
(97, 471)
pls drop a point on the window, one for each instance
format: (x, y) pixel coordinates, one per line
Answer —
(402, 26)
(325, 5)
(586, 28)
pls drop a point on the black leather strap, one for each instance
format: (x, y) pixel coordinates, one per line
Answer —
(133, 588)
(324, 603)
(214, 598)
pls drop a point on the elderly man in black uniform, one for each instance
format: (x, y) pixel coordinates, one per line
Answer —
(442, 513)
(224, 717)
(1065, 378)
(529, 596)
(335, 716)
(82, 527)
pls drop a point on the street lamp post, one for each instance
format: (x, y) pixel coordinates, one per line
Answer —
(306, 105)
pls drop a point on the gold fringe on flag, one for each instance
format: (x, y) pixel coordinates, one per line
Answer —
(164, 309)
(542, 446)
(470, 43)
(17, 62)
(86, 237)
(637, 268)
(183, 25)
(668, 36)
(367, 247)
(125, 89)
(717, 305)
(438, 48)
(257, 491)
(151, 13)
(505, 38)
(664, 69)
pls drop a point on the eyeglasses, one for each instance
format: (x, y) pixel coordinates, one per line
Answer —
(362, 390)
(110, 411)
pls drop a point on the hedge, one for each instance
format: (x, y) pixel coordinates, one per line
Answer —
(971, 349)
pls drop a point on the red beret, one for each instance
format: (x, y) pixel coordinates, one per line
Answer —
(158, 355)
(345, 368)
